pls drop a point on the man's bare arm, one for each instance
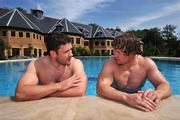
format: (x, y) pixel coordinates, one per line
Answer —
(79, 88)
(163, 89)
(28, 88)
(105, 90)
(105, 80)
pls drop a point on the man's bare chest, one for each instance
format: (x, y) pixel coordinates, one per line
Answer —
(130, 78)
(52, 76)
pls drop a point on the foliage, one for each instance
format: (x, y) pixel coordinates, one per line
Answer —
(168, 32)
(116, 29)
(30, 47)
(96, 53)
(81, 51)
(152, 42)
(139, 33)
(156, 42)
(159, 43)
(21, 9)
(105, 54)
(93, 24)
(178, 49)
(171, 39)
(3, 46)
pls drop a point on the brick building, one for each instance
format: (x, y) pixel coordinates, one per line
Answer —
(24, 33)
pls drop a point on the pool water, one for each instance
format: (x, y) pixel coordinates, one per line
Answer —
(170, 69)
(11, 72)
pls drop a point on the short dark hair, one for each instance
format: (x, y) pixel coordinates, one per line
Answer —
(128, 43)
(54, 40)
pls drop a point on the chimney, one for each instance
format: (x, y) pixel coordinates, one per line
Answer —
(37, 11)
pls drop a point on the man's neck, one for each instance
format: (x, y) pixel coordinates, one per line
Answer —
(54, 63)
(132, 61)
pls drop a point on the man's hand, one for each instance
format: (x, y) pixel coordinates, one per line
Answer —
(69, 83)
(153, 95)
(145, 104)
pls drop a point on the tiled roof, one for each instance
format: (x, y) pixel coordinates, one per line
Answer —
(44, 24)
(14, 18)
(100, 32)
(85, 29)
(18, 19)
(94, 28)
(66, 25)
(116, 33)
(3, 11)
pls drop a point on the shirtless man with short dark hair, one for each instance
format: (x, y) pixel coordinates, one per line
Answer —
(59, 74)
(122, 78)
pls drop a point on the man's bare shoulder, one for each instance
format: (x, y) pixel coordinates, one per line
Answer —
(109, 65)
(31, 67)
(110, 62)
(76, 61)
(146, 62)
(42, 60)
(31, 64)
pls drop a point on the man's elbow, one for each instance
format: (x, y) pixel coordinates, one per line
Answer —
(169, 92)
(99, 90)
(81, 92)
(19, 97)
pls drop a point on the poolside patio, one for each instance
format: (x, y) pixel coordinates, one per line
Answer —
(84, 108)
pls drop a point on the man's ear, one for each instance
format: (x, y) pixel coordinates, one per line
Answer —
(52, 53)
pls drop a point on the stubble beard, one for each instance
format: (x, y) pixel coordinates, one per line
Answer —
(68, 61)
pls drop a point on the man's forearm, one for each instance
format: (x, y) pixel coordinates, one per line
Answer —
(111, 93)
(164, 90)
(71, 92)
(33, 92)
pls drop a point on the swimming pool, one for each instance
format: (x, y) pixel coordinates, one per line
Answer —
(11, 72)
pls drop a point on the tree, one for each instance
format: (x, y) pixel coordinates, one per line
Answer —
(118, 29)
(139, 33)
(153, 42)
(81, 51)
(93, 24)
(178, 49)
(30, 48)
(21, 9)
(3, 46)
(168, 32)
(170, 38)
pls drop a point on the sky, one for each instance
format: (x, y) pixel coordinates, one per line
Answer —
(127, 14)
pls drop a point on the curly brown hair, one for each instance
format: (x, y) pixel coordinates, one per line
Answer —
(128, 43)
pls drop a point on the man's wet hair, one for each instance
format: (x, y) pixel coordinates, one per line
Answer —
(128, 43)
(55, 39)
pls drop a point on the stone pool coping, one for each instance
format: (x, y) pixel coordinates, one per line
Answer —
(155, 58)
(16, 60)
(166, 58)
(84, 108)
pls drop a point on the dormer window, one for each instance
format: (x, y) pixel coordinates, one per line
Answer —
(59, 28)
(86, 32)
(80, 29)
(98, 34)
